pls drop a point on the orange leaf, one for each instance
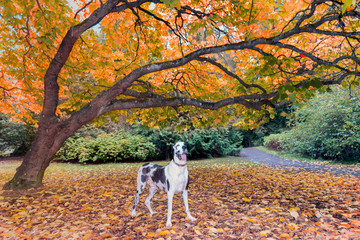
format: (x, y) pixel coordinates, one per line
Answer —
(164, 232)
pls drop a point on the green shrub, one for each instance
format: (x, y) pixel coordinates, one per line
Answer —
(15, 138)
(201, 143)
(213, 143)
(113, 147)
(328, 127)
(95, 145)
(163, 139)
(277, 124)
(274, 142)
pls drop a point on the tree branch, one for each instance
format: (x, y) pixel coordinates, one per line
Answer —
(250, 101)
(163, 21)
(231, 74)
(81, 9)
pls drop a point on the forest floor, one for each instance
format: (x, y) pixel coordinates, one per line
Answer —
(232, 198)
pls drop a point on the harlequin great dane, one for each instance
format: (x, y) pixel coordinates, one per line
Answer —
(172, 178)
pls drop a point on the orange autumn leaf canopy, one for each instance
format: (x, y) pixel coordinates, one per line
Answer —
(241, 58)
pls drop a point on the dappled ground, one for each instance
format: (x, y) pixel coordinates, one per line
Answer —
(230, 198)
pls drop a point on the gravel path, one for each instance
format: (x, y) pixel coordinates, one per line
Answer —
(259, 156)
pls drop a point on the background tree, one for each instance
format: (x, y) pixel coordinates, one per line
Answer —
(164, 58)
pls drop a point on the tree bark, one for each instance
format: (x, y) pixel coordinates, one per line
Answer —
(31, 172)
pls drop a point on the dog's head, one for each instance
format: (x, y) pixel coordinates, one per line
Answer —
(180, 152)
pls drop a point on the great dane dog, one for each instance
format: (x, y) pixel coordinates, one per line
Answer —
(172, 178)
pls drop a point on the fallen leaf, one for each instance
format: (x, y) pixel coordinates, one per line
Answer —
(294, 214)
(164, 232)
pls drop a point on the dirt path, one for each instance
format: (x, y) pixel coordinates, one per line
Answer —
(258, 156)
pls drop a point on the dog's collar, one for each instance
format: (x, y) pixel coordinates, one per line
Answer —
(180, 165)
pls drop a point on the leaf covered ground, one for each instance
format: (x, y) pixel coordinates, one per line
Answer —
(230, 198)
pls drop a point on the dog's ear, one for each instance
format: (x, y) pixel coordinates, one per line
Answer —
(172, 150)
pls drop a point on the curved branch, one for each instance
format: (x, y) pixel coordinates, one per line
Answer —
(231, 74)
(81, 9)
(163, 21)
(312, 57)
(128, 5)
(250, 101)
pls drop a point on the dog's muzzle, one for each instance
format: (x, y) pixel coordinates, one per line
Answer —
(181, 157)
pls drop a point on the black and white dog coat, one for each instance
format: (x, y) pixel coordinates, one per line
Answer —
(172, 178)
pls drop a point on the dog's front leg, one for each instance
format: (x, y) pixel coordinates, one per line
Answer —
(186, 203)
(170, 196)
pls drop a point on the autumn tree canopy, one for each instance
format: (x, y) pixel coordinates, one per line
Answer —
(210, 60)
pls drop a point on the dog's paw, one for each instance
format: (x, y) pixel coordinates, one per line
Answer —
(192, 218)
(133, 214)
(168, 224)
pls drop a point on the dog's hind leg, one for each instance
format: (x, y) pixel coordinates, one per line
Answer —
(141, 183)
(152, 191)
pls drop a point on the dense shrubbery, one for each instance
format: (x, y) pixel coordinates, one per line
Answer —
(327, 127)
(274, 125)
(275, 141)
(106, 147)
(213, 142)
(15, 138)
(201, 142)
(162, 139)
(95, 146)
(111, 144)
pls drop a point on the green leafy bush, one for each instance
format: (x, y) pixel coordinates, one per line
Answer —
(112, 147)
(95, 145)
(328, 127)
(213, 142)
(274, 141)
(202, 143)
(15, 138)
(272, 125)
(163, 139)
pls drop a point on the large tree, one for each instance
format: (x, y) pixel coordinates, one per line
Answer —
(209, 59)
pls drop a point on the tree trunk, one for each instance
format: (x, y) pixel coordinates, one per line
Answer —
(31, 172)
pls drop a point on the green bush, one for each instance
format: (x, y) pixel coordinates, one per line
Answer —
(274, 141)
(202, 143)
(213, 142)
(163, 139)
(15, 138)
(113, 147)
(95, 145)
(328, 127)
